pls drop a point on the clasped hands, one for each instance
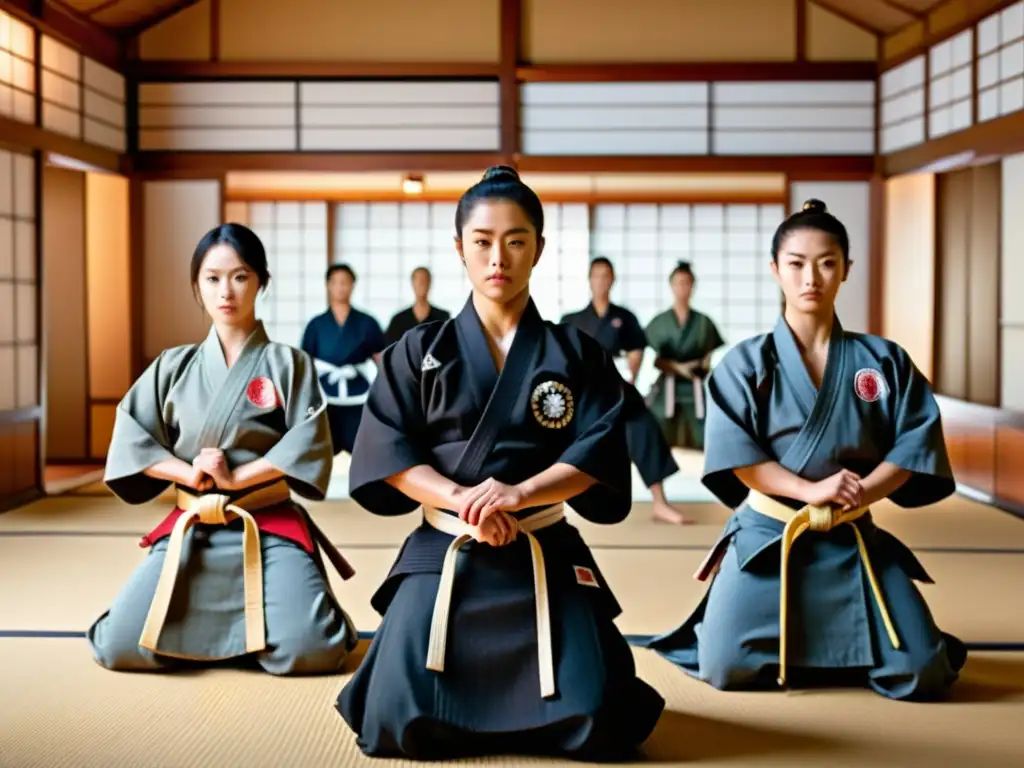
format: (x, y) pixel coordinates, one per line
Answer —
(210, 469)
(686, 370)
(844, 490)
(487, 506)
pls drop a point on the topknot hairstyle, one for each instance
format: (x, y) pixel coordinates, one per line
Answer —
(501, 182)
(682, 267)
(813, 215)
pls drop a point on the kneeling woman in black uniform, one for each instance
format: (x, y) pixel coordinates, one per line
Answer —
(490, 422)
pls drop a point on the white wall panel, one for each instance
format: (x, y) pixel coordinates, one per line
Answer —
(220, 116)
(399, 116)
(19, 329)
(450, 139)
(1001, 63)
(614, 118)
(951, 90)
(1011, 278)
(191, 116)
(793, 118)
(295, 237)
(17, 69)
(103, 106)
(61, 88)
(235, 139)
(176, 214)
(902, 103)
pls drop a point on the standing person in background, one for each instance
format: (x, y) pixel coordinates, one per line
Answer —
(345, 344)
(420, 312)
(683, 340)
(619, 332)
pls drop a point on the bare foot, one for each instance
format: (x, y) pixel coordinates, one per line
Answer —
(666, 513)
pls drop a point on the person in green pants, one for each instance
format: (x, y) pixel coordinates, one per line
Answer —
(683, 340)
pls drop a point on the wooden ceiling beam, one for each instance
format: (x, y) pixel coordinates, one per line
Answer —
(151, 70)
(101, 7)
(699, 71)
(913, 13)
(209, 164)
(134, 30)
(510, 51)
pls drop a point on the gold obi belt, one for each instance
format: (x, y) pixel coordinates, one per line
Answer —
(822, 520)
(217, 509)
(463, 533)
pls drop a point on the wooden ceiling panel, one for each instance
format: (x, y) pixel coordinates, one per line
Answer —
(921, 7)
(878, 16)
(85, 7)
(126, 16)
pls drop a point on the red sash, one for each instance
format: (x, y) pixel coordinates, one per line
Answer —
(283, 520)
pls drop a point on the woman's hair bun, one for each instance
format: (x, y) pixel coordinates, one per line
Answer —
(815, 206)
(501, 172)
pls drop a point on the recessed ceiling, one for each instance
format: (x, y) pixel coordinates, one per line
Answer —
(881, 17)
(126, 17)
(129, 17)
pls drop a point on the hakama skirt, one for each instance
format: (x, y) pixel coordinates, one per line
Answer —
(487, 700)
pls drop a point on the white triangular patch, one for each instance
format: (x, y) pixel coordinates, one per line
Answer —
(429, 363)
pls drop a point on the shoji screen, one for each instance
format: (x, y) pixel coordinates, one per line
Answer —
(385, 242)
(559, 283)
(19, 326)
(1001, 63)
(295, 236)
(727, 245)
(17, 70)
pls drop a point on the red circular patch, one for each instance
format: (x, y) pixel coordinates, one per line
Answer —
(868, 384)
(261, 392)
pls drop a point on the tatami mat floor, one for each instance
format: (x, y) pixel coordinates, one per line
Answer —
(63, 559)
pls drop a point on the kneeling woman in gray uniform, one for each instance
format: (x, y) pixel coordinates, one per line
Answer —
(498, 633)
(808, 426)
(235, 423)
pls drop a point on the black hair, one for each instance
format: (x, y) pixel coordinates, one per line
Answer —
(242, 241)
(602, 261)
(501, 182)
(340, 268)
(421, 269)
(682, 267)
(813, 215)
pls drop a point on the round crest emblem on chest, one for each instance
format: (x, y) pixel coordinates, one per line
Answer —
(261, 392)
(869, 385)
(552, 404)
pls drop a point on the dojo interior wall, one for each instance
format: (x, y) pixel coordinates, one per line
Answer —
(850, 201)
(555, 31)
(175, 215)
(1011, 302)
(967, 284)
(65, 322)
(108, 272)
(86, 319)
(908, 285)
(20, 381)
